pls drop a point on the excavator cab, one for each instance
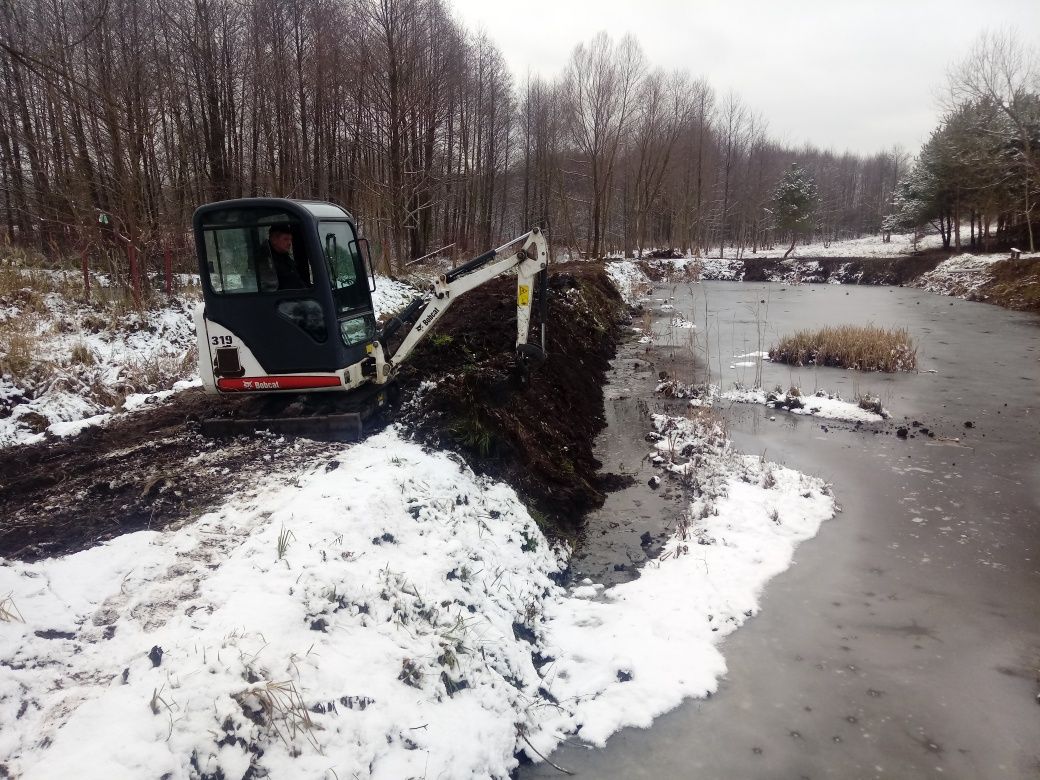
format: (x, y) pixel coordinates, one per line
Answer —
(287, 288)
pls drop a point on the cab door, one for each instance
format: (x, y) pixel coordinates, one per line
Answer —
(287, 331)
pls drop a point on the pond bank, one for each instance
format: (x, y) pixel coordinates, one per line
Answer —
(990, 278)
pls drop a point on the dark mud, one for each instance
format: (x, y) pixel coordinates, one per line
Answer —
(154, 468)
(151, 469)
(536, 434)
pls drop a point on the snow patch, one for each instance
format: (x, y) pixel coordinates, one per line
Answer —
(819, 405)
(629, 279)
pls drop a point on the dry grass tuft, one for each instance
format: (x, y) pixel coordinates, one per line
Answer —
(16, 355)
(82, 354)
(280, 707)
(863, 347)
(151, 373)
(9, 613)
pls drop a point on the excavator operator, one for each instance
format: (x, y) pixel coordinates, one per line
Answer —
(279, 270)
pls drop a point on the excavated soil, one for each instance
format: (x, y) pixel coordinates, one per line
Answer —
(535, 433)
(154, 469)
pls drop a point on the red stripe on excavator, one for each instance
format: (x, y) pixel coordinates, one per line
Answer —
(252, 384)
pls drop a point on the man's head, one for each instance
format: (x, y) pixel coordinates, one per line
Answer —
(280, 237)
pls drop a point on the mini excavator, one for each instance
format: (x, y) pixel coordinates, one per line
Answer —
(287, 288)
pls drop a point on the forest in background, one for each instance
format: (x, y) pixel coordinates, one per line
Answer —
(120, 117)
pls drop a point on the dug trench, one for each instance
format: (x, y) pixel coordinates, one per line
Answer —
(153, 469)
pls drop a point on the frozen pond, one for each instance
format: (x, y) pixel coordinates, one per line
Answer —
(905, 640)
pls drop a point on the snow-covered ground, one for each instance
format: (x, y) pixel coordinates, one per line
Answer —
(81, 361)
(962, 275)
(379, 614)
(379, 611)
(868, 246)
(730, 267)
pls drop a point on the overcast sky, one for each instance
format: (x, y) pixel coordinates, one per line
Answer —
(858, 75)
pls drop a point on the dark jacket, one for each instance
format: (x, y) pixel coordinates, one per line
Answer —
(281, 271)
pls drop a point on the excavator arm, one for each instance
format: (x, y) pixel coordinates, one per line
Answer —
(528, 261)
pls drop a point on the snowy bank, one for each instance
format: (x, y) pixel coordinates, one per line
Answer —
(358, 618)
(85, 360)
(963, 275)
(629, 279)
(625, 655)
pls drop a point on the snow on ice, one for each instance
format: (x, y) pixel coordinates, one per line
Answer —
(818, 405)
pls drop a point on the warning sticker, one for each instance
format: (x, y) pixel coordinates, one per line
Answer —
(523, 295)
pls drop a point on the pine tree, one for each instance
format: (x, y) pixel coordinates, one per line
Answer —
(794, 203)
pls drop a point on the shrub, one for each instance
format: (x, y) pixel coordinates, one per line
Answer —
(867, 348)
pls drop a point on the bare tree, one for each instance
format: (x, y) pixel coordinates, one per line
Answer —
(601, 82)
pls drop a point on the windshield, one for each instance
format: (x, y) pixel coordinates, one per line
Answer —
(346, 269)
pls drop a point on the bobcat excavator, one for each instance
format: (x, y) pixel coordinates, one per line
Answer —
(287, 288)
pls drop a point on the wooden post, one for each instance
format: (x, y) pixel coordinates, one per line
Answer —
(86, 271)
(135, 273)
(168, 268)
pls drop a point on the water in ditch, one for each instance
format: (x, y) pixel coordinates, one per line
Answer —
(905, 639)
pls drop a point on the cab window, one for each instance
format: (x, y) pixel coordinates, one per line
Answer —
(253, 258)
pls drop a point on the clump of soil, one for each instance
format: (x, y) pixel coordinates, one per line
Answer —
(537, 435)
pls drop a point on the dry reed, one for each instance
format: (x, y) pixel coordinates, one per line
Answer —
(863, 347)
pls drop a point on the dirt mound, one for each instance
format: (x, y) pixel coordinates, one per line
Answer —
(1015, 285)
(154, 469)
(536, 435)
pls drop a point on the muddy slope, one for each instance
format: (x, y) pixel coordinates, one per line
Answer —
(153, 468)
(1015, 285)
(537, 435)
(148, 470)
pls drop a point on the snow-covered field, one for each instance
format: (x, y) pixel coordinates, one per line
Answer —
(378, 612)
